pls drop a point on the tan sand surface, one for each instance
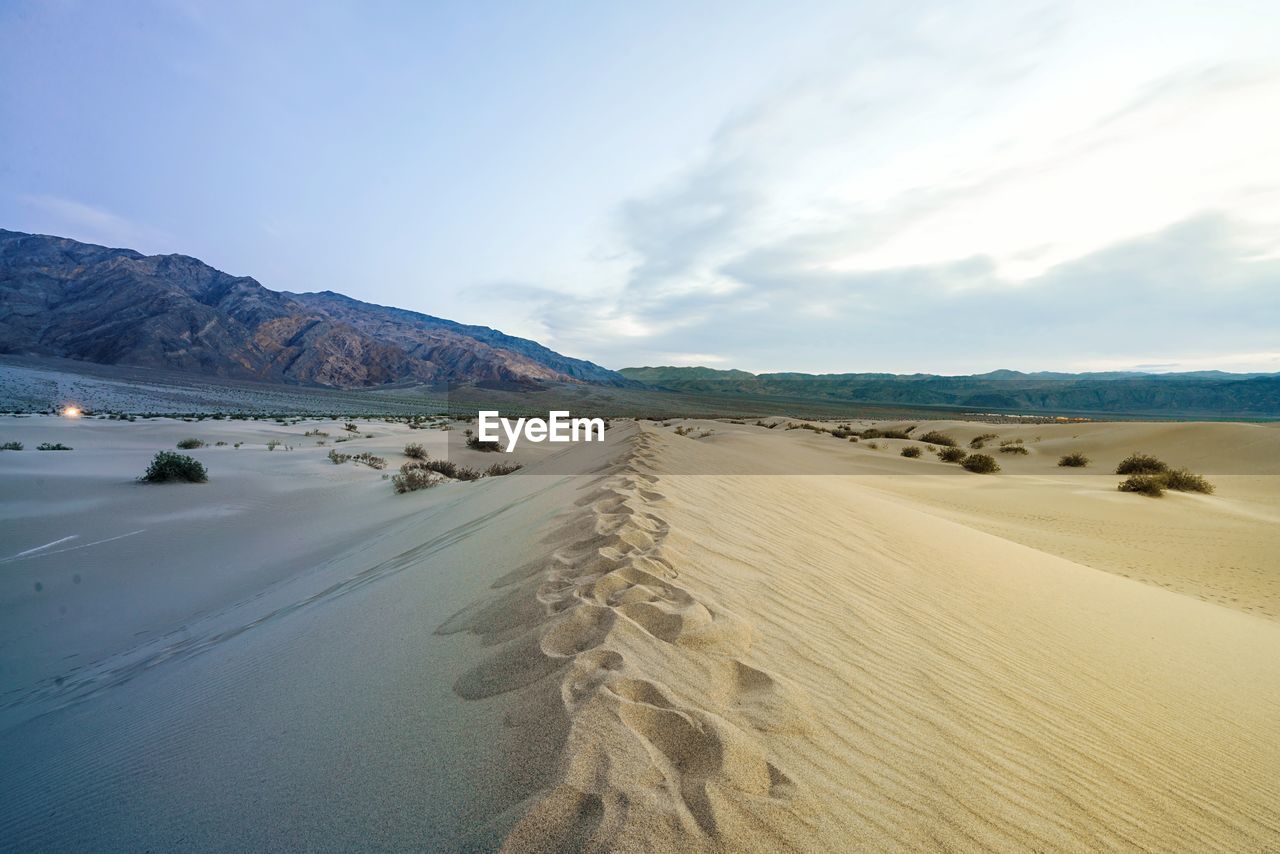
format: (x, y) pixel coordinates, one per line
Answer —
(756, 640)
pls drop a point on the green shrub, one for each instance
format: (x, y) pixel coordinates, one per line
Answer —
(912, 451)
(415, 450)
(1141, 464)
(167, 466)
(1181, 480)
(1074, 460)
(933, 437)
(1014, 449)
(1144, 484)
(980, 464)
(980, 441)
(53, 446)
(190, 444)
(951, 455)
(11, 446)
(338, 459)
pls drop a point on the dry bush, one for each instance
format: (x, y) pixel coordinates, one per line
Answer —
(933, 437)
(912, 451)
(980, 441)
(499, 469)
(370, 460)
(951, 455)
(1074, 460)
(338, 459)
(1141, 464)
(1144, 484)
(167, 466)
(1014, 449)
(415, 450)
(190, 444)
(1181, 480)
(980, 464)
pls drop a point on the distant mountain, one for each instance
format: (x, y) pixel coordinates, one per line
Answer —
(1202, 393)
(59, 297)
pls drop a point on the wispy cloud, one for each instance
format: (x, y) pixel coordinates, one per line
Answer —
(91, 224)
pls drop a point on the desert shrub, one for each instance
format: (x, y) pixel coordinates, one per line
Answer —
(370, 460)
(273, 444)
(933, 437)
(11, 446)
(1181, 480)
(475, 444)
(951, 455)
(350, 428)
(1007, 442)
(912, 451)
(1074, 460)
(873, 446)
(980, 441)
(413, 478)
(52, 446)
(190, 444)
(876, 433)
(1014, 449)
(980, 464)
(448, 468)
(499, 469)
(167, 466)
(318, 433)
(338, 459)
(1144, 484)
(1141, 464)
(841, 433)
(415, 450)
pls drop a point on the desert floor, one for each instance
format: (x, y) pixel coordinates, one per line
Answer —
(741, 638)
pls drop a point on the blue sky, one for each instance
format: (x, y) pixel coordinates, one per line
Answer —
(806, 186)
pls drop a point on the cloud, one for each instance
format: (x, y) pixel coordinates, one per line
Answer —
(1034, 199)
(71, 218)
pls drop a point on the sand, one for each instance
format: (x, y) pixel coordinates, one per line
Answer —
(756, 640)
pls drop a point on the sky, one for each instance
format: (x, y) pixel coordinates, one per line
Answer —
(802, 186)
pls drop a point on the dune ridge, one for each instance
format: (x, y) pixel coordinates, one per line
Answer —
(660, 722)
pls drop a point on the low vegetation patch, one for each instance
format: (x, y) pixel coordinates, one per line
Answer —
(475, 443)
(190, 444)
(1141, 464)
(1074, 460)
(11, 446)
(1007, 442)
(338, 459)
(1143, 484)
(168, 467)
(1181, 480)
(912, 451)
(53, 446)
(499, 469)
(878, 433)
(415, 451)
(933, 437)
(951, 454)
(413, 477)
(980, 464)
(449, 469)
(370, 460)
(1014, 449)
(980, 441)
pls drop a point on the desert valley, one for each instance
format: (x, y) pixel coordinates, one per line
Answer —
(701, 634)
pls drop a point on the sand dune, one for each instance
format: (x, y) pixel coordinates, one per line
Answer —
(754, 640)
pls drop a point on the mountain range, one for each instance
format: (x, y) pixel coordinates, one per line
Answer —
(63, 298)
(1200, 393)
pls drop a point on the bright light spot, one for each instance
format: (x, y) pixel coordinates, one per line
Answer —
(71, 411)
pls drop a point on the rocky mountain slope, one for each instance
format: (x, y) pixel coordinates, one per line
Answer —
(60, 297)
